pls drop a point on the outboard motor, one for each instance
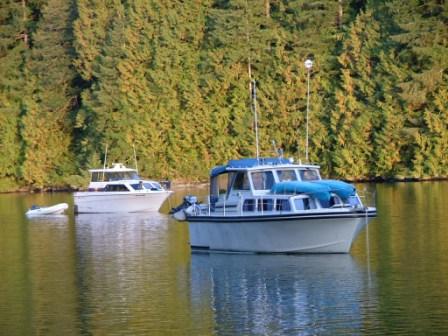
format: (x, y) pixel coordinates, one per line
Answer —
(179, 211)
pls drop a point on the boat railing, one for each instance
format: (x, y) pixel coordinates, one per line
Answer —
(258, 204)
(368, 198)
(261, 204)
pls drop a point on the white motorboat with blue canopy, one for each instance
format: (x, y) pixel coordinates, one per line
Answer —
(120, 189)
(272, 205)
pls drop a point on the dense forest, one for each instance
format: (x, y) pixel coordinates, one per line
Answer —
(171, 77)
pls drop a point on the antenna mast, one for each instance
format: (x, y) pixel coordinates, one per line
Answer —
(252, 85)
(105, 161)
(135, 158)
(254, 106)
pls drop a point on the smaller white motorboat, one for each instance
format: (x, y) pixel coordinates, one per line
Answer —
(119, 189)
(56, 209)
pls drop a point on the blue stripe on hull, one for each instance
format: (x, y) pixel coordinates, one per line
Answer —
(286, 217)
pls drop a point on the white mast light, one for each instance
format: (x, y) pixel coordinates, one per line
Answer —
(308, 64)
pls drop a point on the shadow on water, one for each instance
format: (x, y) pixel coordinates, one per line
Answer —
(282, 294)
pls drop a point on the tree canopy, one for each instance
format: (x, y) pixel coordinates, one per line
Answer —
(171, 78)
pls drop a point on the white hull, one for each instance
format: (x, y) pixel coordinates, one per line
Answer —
(326, 235)
(110, 202)
(56, 209)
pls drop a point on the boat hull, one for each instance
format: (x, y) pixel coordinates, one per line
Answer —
(111, 202)
(332, 233)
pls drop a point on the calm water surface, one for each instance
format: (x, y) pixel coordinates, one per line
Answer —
(135, 275)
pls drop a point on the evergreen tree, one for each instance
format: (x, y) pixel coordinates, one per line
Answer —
(14, 41)
(89, 30)
(350, 121)
(432, 139)
(225, 78)
(102, 118)
(422, 34)
(388, 136)
(50, 97)
(304, 30)
(173, 80)
(183, 118)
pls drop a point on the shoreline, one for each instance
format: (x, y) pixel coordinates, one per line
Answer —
(182, 184)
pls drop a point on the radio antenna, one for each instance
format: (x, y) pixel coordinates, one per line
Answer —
(252, 85)
(105, 161)
(135, 158)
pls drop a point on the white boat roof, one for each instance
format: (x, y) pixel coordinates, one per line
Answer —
(128, 181)
(116, 167)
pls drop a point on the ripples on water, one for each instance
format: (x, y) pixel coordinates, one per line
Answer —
(135, 275)
(278, 294)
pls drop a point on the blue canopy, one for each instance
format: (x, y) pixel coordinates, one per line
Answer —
(247, 163)
(217, 170)
(319, 191)
(252, 162)
(342, 189)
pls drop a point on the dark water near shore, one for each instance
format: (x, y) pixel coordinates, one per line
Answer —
(135, 275)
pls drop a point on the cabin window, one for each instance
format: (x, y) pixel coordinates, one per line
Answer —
(218, 186)
(309, 175)
(249, 205)
(353, 201)
(97, 177)
(112, 177)
(116, 187)
(286, 175)
(152, 186)
(265, 204)
(240, 181)
(304, 204)
(262, 180)
(116, 176)
(147, 186)
(137, 186)
(223, 184)
(282, 205)
(335, 200)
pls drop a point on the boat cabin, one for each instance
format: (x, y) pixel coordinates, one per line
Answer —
(140, 186)
(275, 184)
(116, 173)
(257, 177)
(120, 178)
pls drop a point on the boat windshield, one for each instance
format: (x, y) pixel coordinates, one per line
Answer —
(354, 201)
(263, 180)
(114, 176)
(309, 175)
(219, 185)
(286, 175)
(154, 186)
(240, 181)
(116, 187)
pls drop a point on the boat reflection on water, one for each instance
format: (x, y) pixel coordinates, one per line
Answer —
(120, 236)
(57, 220)
(126, 239)
(118, 255)
(281, 294)
(126, 225)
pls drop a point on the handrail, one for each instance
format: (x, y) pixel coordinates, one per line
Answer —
(238, 207)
